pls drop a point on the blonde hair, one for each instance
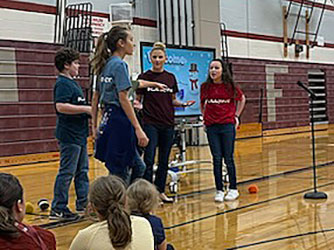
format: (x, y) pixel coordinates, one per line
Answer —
(106, 46)
(143, 197)
(107, 194)
(159, 46)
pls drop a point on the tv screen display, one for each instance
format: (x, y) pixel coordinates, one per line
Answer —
(190, 67)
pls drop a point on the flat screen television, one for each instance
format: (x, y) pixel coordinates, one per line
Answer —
(190, 67)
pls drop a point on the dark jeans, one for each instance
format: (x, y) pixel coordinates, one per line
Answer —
(73, 164)
(221, 139)
(161, 137)
(138, 167)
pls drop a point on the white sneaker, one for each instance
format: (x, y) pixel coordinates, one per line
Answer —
(219, 196)
(232, 195)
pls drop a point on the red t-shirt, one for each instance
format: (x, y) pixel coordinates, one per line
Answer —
(28, 240)
(219, 102)
(158, 106)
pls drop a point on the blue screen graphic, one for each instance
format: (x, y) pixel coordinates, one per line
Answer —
(190, 67)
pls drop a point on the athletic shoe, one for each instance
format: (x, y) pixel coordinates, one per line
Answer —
(232, 195)
(165, 199)
(66, 215)
(219, 196)
(81, 212)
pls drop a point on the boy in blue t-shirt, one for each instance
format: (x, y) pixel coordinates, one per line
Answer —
(71, 131)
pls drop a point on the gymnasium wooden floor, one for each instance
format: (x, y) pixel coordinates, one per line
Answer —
(277, 217)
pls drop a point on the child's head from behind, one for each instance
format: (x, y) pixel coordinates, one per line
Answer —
(107, 195)
(143, 197)
(12, 205)
(67, 61)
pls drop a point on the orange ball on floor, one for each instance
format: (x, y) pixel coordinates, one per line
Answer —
(252, 189)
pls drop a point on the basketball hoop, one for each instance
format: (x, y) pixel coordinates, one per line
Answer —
(121, 14)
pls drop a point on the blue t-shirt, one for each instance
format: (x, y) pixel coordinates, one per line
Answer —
(157, 228)
(113, 79)
(70, 128)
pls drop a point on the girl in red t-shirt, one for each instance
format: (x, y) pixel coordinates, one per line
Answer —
(222, 102)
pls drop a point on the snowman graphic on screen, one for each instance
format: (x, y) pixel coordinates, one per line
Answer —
(193, 77)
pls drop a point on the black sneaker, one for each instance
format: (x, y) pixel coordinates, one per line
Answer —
(64, 215)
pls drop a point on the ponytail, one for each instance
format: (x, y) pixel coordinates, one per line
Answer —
(106, 46)
(119, 225)
(101, 55)
(7, 223)
(11, 192)
(107, 194)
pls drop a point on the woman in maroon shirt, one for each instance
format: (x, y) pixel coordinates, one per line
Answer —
(158, 117)
(222, 102)
(13, 233)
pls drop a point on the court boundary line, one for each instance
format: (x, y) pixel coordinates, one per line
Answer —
(92, 154)
(282, 238)
(246, 206)
(259, 179)
(56, 224)
(62, 223)
(29, 163)
(35, 162)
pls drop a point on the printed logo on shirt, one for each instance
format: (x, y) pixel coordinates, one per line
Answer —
(218, 101)
(166, 90)
(81, 99)
(106, 79)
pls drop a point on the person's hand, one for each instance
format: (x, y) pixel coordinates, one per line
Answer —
(161, 86)
(237, 122)
(190, 103)
(94, 133)
(88, 110)
(142, 138)
(137, 105)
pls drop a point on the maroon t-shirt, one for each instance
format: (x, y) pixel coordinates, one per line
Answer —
(219, 102)
(29, 240)
(158, 106)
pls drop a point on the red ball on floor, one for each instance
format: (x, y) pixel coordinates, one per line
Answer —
(253, 188)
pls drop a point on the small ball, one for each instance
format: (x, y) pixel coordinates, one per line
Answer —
(253, 189)
(29, 207)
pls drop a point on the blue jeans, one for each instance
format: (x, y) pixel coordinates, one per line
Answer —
(73, 164)
(161, 137)
(138, 167)
(221, 139)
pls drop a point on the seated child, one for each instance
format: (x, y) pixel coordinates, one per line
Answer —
(116, 229)
(143, 199)
(13, 233)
